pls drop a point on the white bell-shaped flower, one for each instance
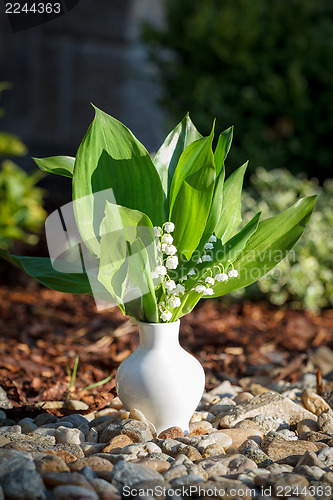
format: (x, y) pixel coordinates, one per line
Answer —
(179, 289)
(221, 277)
(212, 239)
(208, 246)
(199, 261)
(157, 231)
(167, 238)
(172, 262)
(160, 270)
(169, 227)
(191, 273)
(170, 250)
(174, 301)
(166, 315)
(206, 258)
(170, 285)
(210, 280)
(200, 288)
(209, 291)
(233, 273)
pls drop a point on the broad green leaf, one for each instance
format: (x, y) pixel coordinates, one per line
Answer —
(231, 216)
(220, 154)
(41, 269)
(167, 157)
(222, 149)
(274, 238)
(191, 194)
(61, 165)
(111, 158)
(233, 247)
(189, 301)
(119, 229)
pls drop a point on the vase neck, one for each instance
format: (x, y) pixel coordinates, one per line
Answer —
(159, 335)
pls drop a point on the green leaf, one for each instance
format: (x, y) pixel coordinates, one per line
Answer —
(274, 238)
(61, 165)
(220, 154)
(42, 270)
(231, 216)
(111, 158)
(167, 157)
(191, 194)
(189, 301)
(120, 229)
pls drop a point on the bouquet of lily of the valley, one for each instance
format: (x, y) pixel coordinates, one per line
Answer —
(157, 235)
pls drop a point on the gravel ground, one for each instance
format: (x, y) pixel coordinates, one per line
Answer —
(244, 442)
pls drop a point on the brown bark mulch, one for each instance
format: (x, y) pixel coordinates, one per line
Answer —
(42, 331)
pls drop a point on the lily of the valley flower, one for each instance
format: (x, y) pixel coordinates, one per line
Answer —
(157, 231)
(166, 315)
(209, 291)
(170, 285)
(233, 273)
(167, 238)
(179, 289)
(190, 273)
(210, 280)
(174, 301)
(170, 250)
(200, 288)
(169, 227)
(221, 277)
(212, 239)
(208, 246)
(206, 258)
(172, 262)
(199, 261)
(159, 271)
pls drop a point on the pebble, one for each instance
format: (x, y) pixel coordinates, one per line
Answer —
(137, 431)
(309, 458)
(242, 397)
(117, 443)
(102, 486)
(270, 404)
(97, 464)
(307, 425)
(212, 450)
(328, 397)
(51, 463)
(268, 423)
(313, 402)
(277, 483)
(279, 448)
(53, 479)
(325, 455)
(222, 439)
(222, 407)
(44, 418)
(10, 429)
(70, 492)
(68, 435)
(199, 427)
(325, 422)
(227, 464)
(23, 484)
(2, 415)
(77, 421)
(4, 401)
(129, 474)
(192, 453)
(172, 433)
(27, 425)
(92, 435)
(257, 455)
(238, 436)
(158, 465)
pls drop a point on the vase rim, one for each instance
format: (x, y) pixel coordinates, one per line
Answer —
(164, 324)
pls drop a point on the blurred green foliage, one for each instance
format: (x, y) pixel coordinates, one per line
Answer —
(265, 67)
(22, 214)
(305, 277)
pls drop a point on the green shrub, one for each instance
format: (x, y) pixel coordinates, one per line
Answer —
(265, 67)
(305, 277)
(22, 214)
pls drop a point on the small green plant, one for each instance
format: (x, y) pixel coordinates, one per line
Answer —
(305, 278)
(72, 378)
(22, 215)
(162, 233)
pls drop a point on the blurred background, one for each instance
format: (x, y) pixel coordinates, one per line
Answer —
(265, 67)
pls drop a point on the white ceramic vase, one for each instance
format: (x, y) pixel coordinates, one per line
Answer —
(160, 378)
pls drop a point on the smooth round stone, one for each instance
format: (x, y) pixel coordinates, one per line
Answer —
(44, 431)
(92, 448)
(10, 429)
(222, 439)
(313, 402)
(27, 425)
(326, 456)
(212, 450)
(52, 479)
(287, 434)
(158, 465)
(117, 443)
(172, 433)
(77, 421)
(200, 425)
(307, 425)
(137, 415)
(44, 418)
(92, 436)
(116, 403)
(242, 397)
(50, 463)
(67, 435)
(197, 417)
(124, 415)
(74, 492)
(76, 405)
(192, 453)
